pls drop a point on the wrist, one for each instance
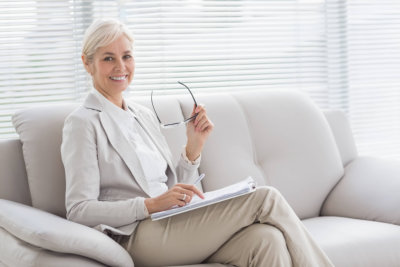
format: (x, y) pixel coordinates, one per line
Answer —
(192, 155)
(149, 203)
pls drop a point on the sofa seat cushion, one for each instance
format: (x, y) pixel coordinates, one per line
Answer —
(352, 242)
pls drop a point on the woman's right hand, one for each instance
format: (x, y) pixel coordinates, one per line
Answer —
(173, 197)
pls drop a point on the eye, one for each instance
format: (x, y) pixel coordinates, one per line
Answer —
(108, 58)
(127, 57)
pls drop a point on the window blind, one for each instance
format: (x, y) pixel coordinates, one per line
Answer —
(210, 45)
(344, 54)
(39, 53)
(228, 45)
(373, 54)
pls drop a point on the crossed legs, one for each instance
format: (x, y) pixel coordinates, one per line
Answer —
(258, 229)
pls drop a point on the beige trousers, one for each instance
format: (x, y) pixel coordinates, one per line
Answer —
(258, 229)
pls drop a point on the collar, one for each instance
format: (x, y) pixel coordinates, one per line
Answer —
(96, 101)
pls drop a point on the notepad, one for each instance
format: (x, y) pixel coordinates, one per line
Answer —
(246, 186)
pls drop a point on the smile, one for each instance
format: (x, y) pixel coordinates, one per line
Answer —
(119, 78)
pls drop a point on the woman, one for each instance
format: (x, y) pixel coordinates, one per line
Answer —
(119, 171)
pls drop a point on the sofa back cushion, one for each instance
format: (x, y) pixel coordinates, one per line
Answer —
(40, 131)
(280, 138)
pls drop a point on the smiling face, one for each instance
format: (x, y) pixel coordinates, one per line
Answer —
(112, 68)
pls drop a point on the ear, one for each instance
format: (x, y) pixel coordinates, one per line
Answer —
(86, 64)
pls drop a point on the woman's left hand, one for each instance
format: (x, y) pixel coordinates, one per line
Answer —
(197, 132)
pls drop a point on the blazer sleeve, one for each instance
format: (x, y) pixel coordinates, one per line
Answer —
(79, 156)
(186, 170)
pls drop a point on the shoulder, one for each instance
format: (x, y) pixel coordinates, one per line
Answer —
(82, 117)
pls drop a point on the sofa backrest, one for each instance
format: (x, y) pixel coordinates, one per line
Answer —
(279, 138)
(341, 129)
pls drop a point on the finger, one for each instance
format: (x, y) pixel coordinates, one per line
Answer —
(177, 188)
(187, 199)
(201, 112)
(192, 188)
(201, 125)
(184, 197)
(200, 108)
(183, 193)
(209, 126)
(193, 110)
(189, 193)
(204, 127)
(180, 203)
(199, 117)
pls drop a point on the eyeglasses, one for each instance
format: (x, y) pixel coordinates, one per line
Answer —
(175, 124)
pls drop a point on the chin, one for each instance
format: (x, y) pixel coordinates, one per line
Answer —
(119, 88)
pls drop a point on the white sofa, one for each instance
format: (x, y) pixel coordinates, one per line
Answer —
(350, 204)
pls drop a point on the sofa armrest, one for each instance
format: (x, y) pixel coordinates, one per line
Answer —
(368, 190)
(341, 130)
(57, 234)
(15, 252)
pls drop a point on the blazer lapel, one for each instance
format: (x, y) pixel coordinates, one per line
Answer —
(124, 148)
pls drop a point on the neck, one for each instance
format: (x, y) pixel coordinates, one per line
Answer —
(115, 99)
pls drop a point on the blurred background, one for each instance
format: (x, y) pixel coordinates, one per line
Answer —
(343, 54)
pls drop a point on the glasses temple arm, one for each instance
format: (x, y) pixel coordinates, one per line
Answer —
(195, 103)
(151, 98)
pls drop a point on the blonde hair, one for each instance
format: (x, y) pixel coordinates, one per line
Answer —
(103, 32)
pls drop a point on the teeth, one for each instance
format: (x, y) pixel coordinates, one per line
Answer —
(118, 78)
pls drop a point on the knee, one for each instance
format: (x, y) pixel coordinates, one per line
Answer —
(267, 237)
(268, 191)
(272, 247)
(273, 238)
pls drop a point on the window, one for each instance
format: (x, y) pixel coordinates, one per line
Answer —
(373, 70)
(324, 48)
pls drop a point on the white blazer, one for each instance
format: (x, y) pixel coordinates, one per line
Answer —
(105, 183)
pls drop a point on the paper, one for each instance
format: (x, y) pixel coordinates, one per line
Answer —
(244, 187)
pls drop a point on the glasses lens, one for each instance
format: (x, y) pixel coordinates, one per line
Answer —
(176, 124)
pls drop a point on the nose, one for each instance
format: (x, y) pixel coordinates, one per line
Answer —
(119, 65)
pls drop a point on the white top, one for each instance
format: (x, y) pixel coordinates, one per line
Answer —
(153, 163)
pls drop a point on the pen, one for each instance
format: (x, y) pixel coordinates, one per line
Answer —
(199, 179)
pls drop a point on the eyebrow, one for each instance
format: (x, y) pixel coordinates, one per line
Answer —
(109, 53)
